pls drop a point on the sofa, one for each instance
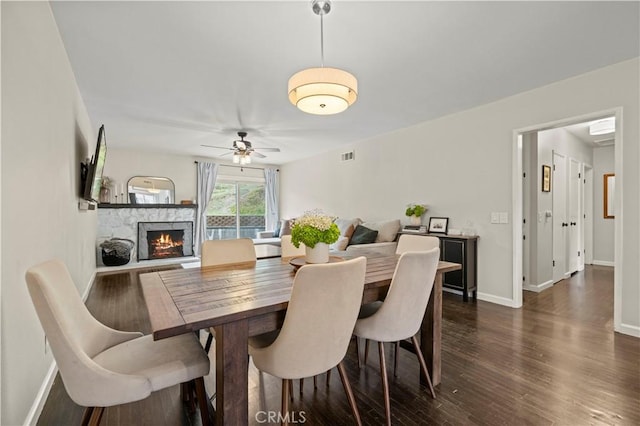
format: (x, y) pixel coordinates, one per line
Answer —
(358, 237)
(273, 237)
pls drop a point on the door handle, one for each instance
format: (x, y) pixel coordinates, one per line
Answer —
(573, 223)
(564, 224)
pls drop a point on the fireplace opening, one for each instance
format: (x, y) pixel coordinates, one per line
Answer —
(163, 240)
(164, 244)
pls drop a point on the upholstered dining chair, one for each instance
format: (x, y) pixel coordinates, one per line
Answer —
(102, 367)
(399, 317)
(408, 242)
(288, 249)
(317, 328)
(225, 252)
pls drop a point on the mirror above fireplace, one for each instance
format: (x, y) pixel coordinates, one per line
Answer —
(151, 190)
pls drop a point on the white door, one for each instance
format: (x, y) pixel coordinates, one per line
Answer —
(575, 222)
(587, 216)
(560, 223)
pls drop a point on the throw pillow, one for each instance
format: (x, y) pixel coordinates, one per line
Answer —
(285, 229)
(344, 224)
(340, 245)
(363, 235)
(387, 230)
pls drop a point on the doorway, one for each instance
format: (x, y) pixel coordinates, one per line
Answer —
(584, 200)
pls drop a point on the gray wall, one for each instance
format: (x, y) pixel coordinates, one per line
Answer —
(45, 134)
(603, 229)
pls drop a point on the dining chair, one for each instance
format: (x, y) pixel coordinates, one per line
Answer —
(408, 242)
(102, 367)
(323, 308)
(400, 316)
(289, 250)
(224, 252)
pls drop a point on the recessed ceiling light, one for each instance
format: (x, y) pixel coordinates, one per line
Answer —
(602, 127)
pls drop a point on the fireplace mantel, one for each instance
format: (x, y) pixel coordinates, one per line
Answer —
(146, 206)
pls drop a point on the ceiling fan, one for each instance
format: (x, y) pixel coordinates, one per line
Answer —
(243, 149)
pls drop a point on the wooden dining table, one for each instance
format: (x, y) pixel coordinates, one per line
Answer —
(247, 299)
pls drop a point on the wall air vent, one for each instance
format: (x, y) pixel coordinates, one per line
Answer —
(347, 156)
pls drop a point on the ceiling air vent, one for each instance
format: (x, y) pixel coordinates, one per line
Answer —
(347, 156)
(604, 142)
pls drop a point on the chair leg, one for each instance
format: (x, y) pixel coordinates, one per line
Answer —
(207, 345)
(291, 390)
(395, 359)
(349, 392)
(286, 386)
(366, 350)
(328, 377)
(92, 416)
(315, 382)
(302, 384)
(385, 383)
(423, 365)
(358, 353)
(86, 416)
(203, 401)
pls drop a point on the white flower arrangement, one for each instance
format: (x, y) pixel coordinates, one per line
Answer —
(314, 227)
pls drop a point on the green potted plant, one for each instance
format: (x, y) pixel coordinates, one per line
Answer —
(316, 231)
(415, 212)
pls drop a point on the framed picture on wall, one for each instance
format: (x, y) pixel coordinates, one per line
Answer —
(438, 225)
(546, 178)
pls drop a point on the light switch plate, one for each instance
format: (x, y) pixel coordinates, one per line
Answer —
(504, 217)
(495, 217)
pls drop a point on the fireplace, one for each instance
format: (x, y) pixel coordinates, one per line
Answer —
(162, 240)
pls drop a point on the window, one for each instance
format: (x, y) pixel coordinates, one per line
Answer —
(236, 210)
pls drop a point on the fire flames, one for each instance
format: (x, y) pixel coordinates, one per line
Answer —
(165, 246)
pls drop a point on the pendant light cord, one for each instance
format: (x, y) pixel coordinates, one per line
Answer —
(321, 41)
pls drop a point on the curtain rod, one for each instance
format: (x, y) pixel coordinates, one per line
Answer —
(240, 167)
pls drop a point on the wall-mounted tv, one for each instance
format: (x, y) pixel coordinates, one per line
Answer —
(93, 181)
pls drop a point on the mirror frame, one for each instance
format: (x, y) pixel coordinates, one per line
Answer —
(609, 185)
(171, 191)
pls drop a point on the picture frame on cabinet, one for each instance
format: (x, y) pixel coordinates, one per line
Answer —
(438, 225)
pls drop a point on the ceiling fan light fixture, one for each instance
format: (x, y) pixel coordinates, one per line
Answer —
(324, 90)
(602, 127)
(236, 158)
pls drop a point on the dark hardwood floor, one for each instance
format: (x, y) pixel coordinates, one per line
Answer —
(555, 361)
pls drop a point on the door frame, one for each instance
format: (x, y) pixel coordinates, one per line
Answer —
(587, 208)
(517, 203)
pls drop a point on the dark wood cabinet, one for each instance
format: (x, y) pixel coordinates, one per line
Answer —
(463, 250)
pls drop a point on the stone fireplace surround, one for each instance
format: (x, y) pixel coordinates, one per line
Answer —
(121, 221)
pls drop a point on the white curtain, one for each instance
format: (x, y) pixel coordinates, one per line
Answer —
(272, 199)
(207, 173)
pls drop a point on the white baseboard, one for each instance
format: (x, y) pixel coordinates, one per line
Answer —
(538, 287)
(496, 299)
(603, 262)
(631, 330)
(41, 397)
(89, 286)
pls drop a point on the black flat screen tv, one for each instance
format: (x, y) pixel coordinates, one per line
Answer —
(93, 181)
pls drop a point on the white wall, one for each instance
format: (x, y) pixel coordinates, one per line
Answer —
(461, 166)
(603, 229)
(45, 134)
(122, 164)
(565, 143)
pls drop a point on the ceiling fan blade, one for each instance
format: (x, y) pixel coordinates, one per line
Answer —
(269, 149)
(225, 154)
(219, 147)
(257, 154)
